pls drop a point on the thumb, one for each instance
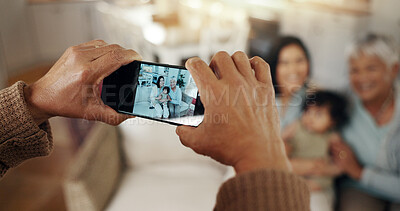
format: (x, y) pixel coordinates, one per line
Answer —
(187, 135)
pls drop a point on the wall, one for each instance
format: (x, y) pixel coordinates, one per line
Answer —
(31, 34)
(60, 25)
(385, 17)
(326, 34)
(16, 36)
(3, 70)
(35, 33)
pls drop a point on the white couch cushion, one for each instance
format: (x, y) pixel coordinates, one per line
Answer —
(175, 186)
(147, 142)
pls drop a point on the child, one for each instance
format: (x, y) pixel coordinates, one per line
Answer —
(163, 98)
(307, 141)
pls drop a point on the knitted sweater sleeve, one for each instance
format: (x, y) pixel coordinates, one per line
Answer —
(20, 137)
(264, 190)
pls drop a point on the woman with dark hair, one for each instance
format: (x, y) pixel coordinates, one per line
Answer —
(156, 91)
(289, 61)
(160, 82)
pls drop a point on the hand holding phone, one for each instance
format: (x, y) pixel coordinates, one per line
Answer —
(70, 87)
(241, 122)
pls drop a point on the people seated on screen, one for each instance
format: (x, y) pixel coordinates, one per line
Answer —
(163, 98)
(176, 98)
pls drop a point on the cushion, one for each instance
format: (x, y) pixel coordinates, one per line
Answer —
(147, 142)
(175, 186)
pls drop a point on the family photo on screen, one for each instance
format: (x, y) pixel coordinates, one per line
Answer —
(164, 92)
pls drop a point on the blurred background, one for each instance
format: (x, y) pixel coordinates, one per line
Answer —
(35, 33)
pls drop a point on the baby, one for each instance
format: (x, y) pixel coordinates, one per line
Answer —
(163, 98)
(307, 143)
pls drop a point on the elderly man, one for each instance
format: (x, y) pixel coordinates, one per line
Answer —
(176, 97)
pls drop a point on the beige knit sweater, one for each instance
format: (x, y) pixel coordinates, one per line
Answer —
(264, 190)
(21, 139)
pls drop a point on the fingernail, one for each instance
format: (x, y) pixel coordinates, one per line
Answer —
(178, 130)
(191, 62)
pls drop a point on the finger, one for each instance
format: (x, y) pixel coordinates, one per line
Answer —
(223, 65)
(335, 152)
(95, 53)
(92, 43)
(261, 70)
(242, 64)
(111, 61)
(340, 146)
(336, 148)
(187, 136)
(338, 161)
(202, 74)
(90, 47)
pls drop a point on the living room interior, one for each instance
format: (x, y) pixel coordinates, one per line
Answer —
(141, 164)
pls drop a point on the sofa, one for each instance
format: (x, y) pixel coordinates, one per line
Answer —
(141, 165)
(142, 102)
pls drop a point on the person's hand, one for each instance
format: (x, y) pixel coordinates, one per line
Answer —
(71, 87)
(344, 157)
(326, 167)
(315, 167)
(241, 123)
(306, 167)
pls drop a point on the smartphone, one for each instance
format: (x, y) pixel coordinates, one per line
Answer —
(160, 92)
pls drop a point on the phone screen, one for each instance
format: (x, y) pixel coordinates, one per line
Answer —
(160, 92)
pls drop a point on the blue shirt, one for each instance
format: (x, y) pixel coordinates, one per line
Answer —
(294, 108)
(176, 97)
(377, 148)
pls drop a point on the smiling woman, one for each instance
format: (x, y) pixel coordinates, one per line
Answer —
(373, 66)
(372, 160)
(290, 67)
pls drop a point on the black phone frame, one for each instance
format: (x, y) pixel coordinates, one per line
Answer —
(114, 79)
